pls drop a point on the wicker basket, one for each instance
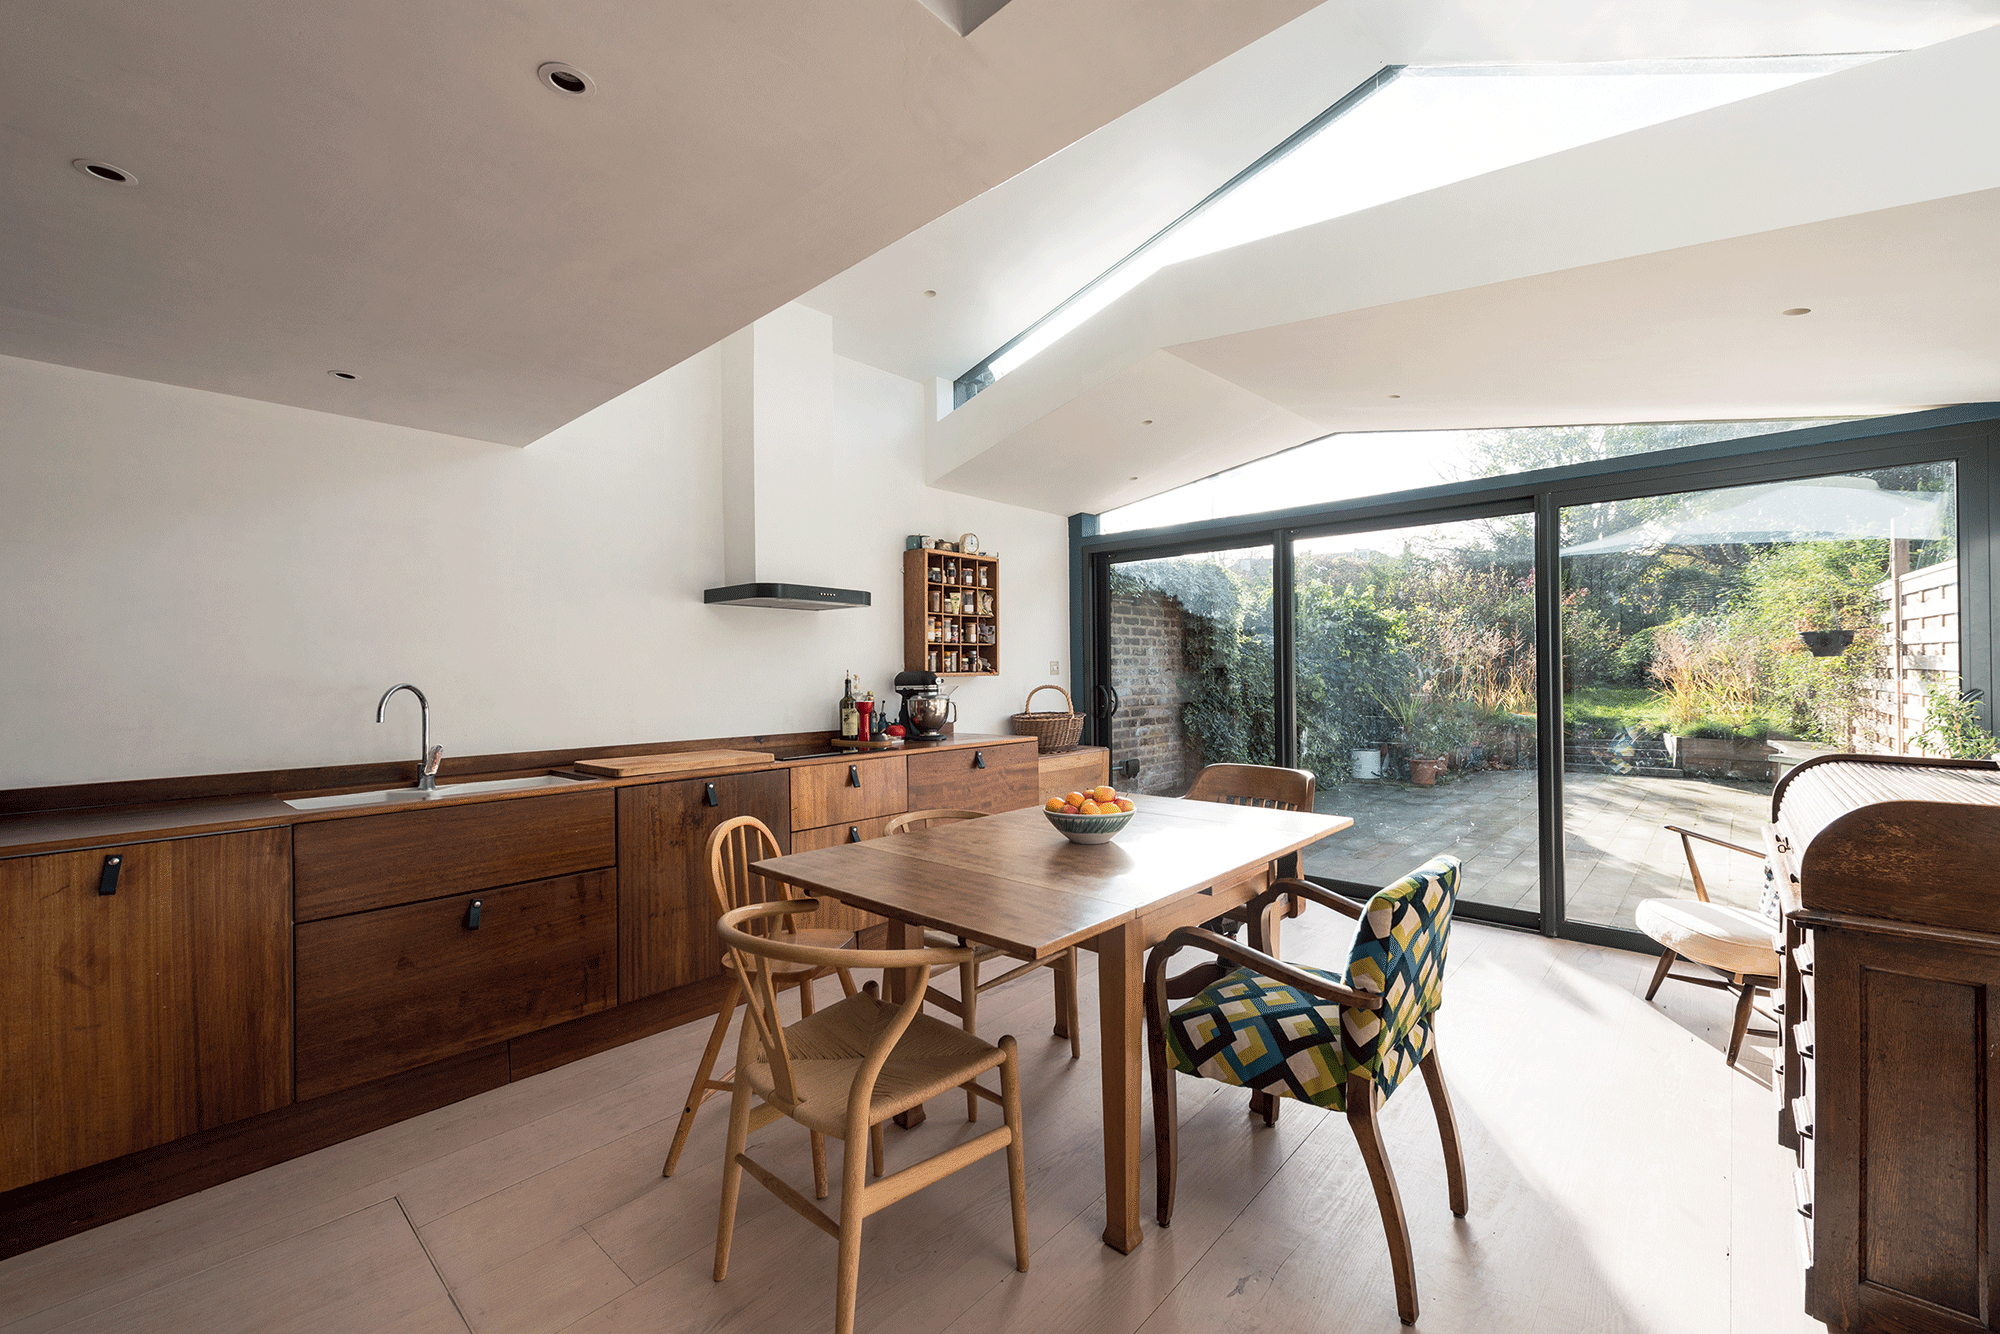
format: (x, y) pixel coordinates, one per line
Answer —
(1052, 731)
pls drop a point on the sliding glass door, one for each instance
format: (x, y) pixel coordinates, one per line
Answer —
(1718, 619)
(1189, 660)
(1414, 670)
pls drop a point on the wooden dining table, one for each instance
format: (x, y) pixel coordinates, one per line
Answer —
(1014, 882)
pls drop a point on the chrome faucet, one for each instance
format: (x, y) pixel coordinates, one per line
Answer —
(431, 756)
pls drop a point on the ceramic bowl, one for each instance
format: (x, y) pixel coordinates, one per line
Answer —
(1090, 828)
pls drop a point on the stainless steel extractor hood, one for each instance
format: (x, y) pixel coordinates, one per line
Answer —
(795, 597)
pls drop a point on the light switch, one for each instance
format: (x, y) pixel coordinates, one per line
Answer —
(1055, 669)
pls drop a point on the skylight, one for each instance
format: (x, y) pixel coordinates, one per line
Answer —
(1411, 129)
(1351, 465)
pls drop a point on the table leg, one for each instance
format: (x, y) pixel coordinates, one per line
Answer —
(903, 936)
(1120, 973)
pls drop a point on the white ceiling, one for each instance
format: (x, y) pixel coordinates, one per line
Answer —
(382, 186)
(1626, 280)
(1902, 305)
(1004, 259)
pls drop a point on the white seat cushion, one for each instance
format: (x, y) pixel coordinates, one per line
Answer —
(1736, 940)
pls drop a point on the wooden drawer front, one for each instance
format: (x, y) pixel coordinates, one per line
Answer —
(666, 911)
(378, 861)
(386, 991)
(837, 915)
(988, 778)
(1072, 771)
(831, 794)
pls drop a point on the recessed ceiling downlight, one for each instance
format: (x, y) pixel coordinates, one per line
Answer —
(343, 375)
(566, 79)
(104, 171)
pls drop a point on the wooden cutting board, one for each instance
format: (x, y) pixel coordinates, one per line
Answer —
(704, 761)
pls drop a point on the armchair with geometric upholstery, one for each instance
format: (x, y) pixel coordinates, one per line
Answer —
(1342, 1041)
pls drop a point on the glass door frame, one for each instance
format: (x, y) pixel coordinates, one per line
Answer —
(1968, 436)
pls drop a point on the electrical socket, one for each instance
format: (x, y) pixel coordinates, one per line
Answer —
(1055, 669)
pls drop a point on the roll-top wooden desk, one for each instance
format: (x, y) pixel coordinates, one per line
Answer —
(1889, 869)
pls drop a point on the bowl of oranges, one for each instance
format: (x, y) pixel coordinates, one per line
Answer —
(1092, 816)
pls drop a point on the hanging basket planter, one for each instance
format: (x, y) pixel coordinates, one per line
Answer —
(1827, 643)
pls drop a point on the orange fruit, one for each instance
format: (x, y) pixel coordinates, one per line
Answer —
(1123, 804)
(1091, 808)
(1076, 799)
(1053, 804)
(1105, 793)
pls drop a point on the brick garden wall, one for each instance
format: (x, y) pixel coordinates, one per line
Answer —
(1148, 639)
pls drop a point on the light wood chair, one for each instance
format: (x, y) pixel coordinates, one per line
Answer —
(844, 1071)
(966, 1004)
(1255, 785)
(734, 845)
(1736, 944)
(1343, 1041)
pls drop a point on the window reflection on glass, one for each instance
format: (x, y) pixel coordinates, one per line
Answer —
(1712, 640)
(1189, 639)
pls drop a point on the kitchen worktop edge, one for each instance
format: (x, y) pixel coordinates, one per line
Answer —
(79, 828)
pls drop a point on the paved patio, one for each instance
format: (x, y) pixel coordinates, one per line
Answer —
(1618, 849)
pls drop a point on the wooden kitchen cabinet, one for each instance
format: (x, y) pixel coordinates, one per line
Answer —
(666, 915)
(835, 915)
(1069, 771)
(131, 1018)
(976, 778)
(385, 991)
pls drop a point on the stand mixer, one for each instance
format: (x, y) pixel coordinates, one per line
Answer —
(926, 712)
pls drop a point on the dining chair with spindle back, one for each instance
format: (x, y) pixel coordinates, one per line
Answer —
(731, 848)
(965, 1005)
(845, 1070)
(1738, 945)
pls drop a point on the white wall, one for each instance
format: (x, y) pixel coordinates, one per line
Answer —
(194, 583)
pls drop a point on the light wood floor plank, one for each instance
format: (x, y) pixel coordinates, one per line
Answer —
(551, 1286)
(366, 1271)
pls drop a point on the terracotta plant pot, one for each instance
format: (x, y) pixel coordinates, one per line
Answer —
(1424, 772)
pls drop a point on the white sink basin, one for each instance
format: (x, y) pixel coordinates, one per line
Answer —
(401, 795)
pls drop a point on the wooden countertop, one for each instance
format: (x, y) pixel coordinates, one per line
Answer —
(100, 826)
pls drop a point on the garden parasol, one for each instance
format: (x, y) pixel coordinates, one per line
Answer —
(1818, 509)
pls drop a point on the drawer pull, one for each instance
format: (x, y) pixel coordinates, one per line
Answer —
(854, 775)
(107, 881)
(472, 915)
(979, 759)
(854, 833)
(710, 797)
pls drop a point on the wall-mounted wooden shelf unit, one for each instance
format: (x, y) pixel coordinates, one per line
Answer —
(951, 613)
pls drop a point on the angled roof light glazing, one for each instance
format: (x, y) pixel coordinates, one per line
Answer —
(1408, 129)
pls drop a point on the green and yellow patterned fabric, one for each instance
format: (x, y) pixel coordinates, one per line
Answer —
(1249, 1030)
